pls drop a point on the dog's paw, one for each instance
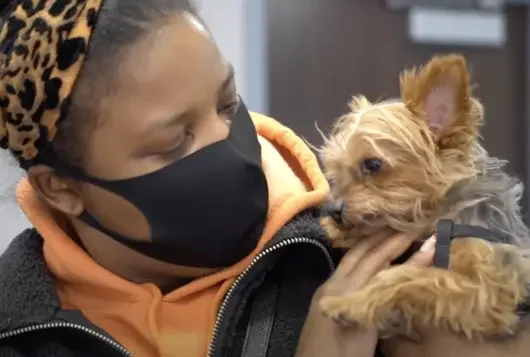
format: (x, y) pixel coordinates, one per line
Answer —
(340, 309)
(336, 308)
(361, 309)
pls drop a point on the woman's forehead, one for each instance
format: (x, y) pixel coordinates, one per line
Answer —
(166, 82)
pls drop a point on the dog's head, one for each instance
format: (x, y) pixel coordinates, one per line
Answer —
(392, 163)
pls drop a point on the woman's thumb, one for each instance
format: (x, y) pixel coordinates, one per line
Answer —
(424, 257)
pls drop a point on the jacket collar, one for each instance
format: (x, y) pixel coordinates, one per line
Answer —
(27, 291)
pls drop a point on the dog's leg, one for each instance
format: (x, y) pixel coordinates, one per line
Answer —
(477, 296)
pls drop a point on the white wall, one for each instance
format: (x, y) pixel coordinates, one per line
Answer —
(238, 27)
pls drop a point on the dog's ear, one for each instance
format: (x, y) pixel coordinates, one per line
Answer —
(440, 93)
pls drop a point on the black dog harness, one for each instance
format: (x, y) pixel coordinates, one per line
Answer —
(446, 231)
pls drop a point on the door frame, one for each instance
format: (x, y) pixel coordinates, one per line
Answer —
(527, 114)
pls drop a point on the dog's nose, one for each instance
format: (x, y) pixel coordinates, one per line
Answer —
(336, 209)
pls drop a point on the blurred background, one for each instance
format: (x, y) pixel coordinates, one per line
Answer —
(301, 60)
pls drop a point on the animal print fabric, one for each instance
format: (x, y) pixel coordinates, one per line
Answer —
(43, 44)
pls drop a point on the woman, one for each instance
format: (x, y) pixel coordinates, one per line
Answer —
(167, 220)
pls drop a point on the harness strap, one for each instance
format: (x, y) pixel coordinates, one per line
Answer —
(444, 234)
(446, 231)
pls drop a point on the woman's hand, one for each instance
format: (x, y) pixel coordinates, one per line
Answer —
(442, 343)
(324, 337)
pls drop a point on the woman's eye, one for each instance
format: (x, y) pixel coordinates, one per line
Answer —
(229, 109)
(181, 148)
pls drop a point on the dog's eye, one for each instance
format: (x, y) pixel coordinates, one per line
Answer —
(372, 166)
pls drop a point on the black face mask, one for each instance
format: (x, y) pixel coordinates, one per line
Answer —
(205, 210)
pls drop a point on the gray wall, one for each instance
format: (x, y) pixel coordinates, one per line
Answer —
(238, 27)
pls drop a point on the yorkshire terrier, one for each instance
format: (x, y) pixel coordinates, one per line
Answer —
(401, 166)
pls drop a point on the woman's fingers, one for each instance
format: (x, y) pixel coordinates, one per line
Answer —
(424, 257)
(369, 256)
(390, 249)
(379, 258)
(358, 252)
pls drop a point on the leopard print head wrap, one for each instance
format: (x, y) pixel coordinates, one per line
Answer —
(43, 44)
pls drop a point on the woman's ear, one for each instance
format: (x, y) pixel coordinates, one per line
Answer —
(60, 193)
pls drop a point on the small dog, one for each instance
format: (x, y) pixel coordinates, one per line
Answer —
(401, 166)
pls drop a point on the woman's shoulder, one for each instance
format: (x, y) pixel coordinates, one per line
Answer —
(270, 308)
(305, 229)
(26, 285)
(304, 224)
(27, 242)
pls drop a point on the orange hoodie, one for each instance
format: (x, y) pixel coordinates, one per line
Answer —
(139, 316)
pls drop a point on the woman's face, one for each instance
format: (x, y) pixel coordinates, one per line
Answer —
(174, 95)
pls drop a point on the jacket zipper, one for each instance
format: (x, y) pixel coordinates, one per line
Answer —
(220, 316)
(61, 324)
(222, 310)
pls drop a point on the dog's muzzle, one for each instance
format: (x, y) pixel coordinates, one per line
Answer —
(334, 209)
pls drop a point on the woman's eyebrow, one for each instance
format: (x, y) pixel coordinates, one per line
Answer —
(164, 122)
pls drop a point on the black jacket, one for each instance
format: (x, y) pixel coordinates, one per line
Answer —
(261, 315)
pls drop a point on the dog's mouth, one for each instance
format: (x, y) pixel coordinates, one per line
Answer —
(362, 225)
(345, 219)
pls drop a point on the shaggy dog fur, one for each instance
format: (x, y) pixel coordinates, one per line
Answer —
(402, 165)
